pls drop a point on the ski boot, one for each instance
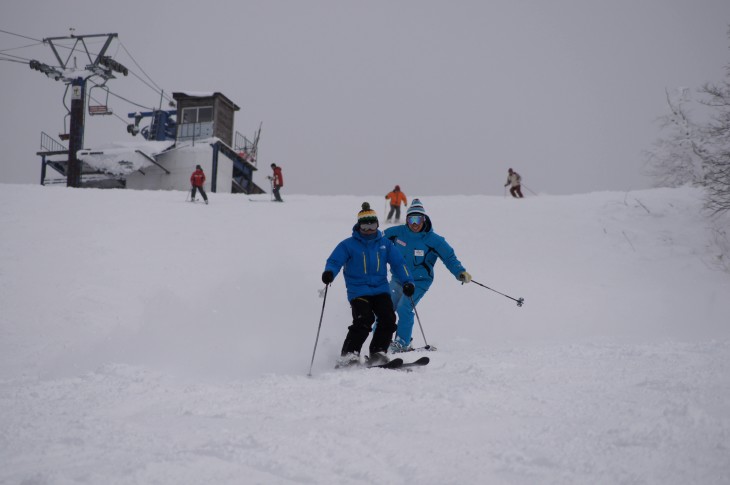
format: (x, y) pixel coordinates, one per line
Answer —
(397, 347)
(377, 358)
(350, 359)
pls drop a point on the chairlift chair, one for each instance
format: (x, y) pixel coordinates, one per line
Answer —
(99, 109)
(65, 135)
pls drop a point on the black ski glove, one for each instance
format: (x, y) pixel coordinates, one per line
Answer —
(327, 277)
(408, 289)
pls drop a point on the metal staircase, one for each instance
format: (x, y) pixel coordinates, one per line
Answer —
(55, 155)
(244, 156)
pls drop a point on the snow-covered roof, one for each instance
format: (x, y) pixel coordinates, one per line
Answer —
(204, 94)
(197, 94)
(121, 158)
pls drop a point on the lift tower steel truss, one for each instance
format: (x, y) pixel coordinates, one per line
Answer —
(99, 65)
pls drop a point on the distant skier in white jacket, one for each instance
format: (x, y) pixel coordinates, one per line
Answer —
(515, 180)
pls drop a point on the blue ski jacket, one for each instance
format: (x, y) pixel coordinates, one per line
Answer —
(364, 261)
(420, 251)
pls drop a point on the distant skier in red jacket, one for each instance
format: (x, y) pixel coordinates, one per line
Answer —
(277, 182)
(197, 179)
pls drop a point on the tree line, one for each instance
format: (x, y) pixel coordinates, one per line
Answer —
(696, 152)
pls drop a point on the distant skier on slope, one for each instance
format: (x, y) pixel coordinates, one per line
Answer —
(515, 180)
(277, 182)
(396, 199)
(197, 179)
(364, 256)
(420, 247)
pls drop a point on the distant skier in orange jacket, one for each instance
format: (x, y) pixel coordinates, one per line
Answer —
(396, 199)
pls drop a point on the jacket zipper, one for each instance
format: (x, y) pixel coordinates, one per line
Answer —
(365, 262)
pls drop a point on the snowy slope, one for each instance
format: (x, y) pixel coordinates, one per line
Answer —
(144, 339)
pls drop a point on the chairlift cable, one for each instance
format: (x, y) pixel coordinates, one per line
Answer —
(131, 102)
(14, 60)
(19, 35)
(20, 47)
(154, 88)
(123, 98)
(20, 59)
(159, 89)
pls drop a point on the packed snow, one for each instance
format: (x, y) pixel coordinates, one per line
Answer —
(145, 339)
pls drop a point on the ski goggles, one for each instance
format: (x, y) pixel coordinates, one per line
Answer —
(415, 220)
(370, 226)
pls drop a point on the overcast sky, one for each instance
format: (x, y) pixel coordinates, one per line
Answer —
(441, 97)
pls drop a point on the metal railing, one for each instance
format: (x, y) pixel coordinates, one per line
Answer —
(245, 148)
(49, 144)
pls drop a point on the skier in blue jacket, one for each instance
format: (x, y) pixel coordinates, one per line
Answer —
(420, 247)
(364, 257)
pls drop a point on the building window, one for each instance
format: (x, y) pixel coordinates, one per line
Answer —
(202, 114)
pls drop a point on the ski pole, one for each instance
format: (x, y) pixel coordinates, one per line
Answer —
(520, 301)
(318, 329)
(528, 188)
(418, 319)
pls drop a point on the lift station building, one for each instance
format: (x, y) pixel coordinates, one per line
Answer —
(163, 154)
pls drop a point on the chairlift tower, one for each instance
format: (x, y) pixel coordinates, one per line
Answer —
(99, 65)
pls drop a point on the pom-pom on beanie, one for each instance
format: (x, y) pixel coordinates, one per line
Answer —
(415, 208)
(366, 215)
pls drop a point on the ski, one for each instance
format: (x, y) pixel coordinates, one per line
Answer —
(398, 363)
(395, 364)
(416, 363)
(427, 348)
(391, 364)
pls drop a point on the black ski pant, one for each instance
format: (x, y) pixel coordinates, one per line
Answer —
(396, 209)
(202, 192)
(516, 191)
(277, 195)
(364, 311)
